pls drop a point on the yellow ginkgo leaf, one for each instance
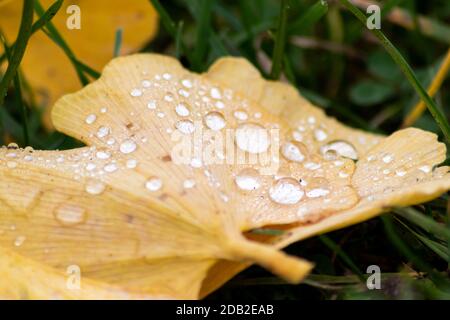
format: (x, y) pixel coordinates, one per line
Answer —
(308, 123)
(18, 273)
(416, 154)
(48, 69)
(178, 165)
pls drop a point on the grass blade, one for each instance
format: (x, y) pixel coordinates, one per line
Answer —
(438, 116)
(310, 17)
(47, 16)
(341, 254)
(117, 42)
(203, 32)
(424, 222)
(19, 48)
(178, 39)
(23, 108)
(417, 111)
(280, 42)
(171, 27)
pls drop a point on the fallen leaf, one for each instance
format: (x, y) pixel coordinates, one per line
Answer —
(48, 69)
(133, 214)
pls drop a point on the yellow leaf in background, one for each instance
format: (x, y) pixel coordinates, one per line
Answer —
(133, 214)
(45, 65)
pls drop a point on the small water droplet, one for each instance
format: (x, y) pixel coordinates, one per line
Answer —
(294, 151)
(168, 97)
(215, 93)
(188, 183)
(90, 119)
(185, 126)
(248, 179)
(19, 241)
(167, 76)
(110, 167)
(13, 145)
(196, 163)
(127, 146)
(330, 155)
(400, 172)
(240, 115)
(136, 92)
(154, 184)
(70, 214)
(95, 187)
(182, 110)
(146, 83)
(103, 110)
(219, 104)
(252, 138)
(388, 158)
(131, 163)
(186, 83)
(102, 132)
(11, 164)
(425, 169)
(317, 187)
(103, 155)
(183, 93)
(215, 120)
(151, 104)
(343, 148)
(320, 135)
(90, 166)
(286, 191)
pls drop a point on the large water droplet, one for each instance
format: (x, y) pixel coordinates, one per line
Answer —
(127, 146)
(252, 138)
(70, 214)
(182, 110)
(215, 120)
(286, 191)
(185, 126)
(342, 148)
(294, 151)
(248, 179)
(153, 184)
(95, 187)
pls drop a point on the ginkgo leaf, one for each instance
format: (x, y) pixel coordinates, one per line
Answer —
(308, 123)
(45, 65)
(18, 273)
(178, 165)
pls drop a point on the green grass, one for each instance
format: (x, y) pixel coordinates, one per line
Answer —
(367, 79)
